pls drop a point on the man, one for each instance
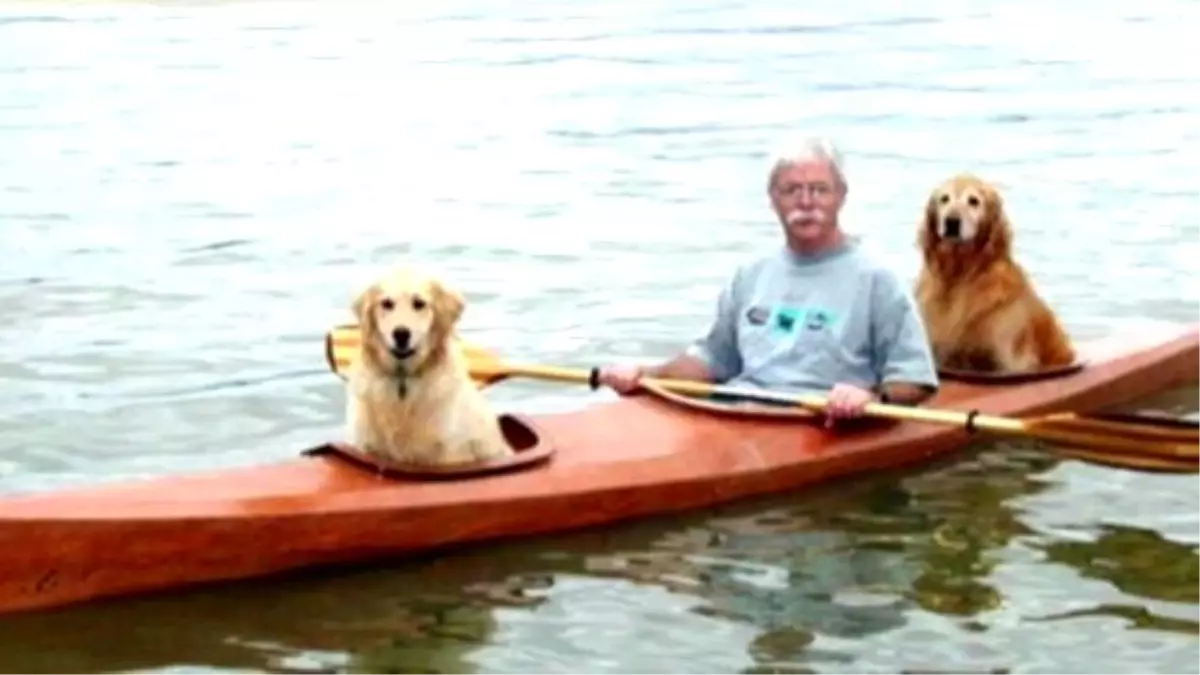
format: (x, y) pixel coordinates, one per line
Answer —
(819, 316)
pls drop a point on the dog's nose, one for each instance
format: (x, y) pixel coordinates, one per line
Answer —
(401, 337)
(953, 226)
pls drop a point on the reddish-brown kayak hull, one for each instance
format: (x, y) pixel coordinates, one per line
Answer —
(628, 458)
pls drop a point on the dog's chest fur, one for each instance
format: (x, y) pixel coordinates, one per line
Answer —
(423, 426)
(384, 423)
(973, 324)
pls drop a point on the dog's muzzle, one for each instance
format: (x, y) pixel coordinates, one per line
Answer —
(401, 346)
(952, 227)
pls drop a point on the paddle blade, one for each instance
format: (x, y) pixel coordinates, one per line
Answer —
(342, 344)
(1148, 463)
(1147, 426)
(1173, 442)
(483, 365)
(341, 348)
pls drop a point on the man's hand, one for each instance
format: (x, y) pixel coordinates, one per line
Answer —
(621, 379)
(625, 379)
(846, 401)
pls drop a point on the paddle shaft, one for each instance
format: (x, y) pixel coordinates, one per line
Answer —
(970, 421)
(1148, 438)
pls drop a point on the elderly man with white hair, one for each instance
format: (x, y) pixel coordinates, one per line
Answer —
(819, 316)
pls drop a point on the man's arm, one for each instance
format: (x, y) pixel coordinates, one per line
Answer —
(903, 356)
(715, 356)
(682, 367)
(905, 393)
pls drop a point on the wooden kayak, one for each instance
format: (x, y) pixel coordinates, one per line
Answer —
(619, 459)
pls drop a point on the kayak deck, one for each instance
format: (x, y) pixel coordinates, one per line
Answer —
(636, 456)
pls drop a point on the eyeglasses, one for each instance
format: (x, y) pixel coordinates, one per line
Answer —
(817, 190)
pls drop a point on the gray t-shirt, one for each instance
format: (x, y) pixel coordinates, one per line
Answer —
(802, 324)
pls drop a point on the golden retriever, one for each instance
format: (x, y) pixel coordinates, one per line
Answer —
(410, 397)
(980, 309)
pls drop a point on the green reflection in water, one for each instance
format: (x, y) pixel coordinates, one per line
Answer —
(1137, 561)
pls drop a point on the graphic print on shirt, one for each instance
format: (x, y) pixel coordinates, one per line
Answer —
(801, 321)
(757, 316)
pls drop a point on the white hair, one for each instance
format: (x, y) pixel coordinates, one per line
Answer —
(807, 150)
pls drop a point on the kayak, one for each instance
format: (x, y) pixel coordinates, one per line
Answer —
(640, 455)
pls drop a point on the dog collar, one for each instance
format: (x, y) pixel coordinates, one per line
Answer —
(401, 382)
(403, 375)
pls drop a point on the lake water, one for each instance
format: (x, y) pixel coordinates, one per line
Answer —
(190, 193)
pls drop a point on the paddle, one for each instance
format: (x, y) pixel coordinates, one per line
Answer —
(1144, 444)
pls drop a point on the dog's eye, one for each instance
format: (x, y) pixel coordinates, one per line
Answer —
(945, 199)
(418, 303)
(387, 304)
(973, 201)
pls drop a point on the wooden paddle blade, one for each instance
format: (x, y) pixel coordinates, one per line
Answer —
(341, 348)
(1140, 429)
(483, 365)
(342, 345)
(1099, 440)
(1133, 462)
(1163, 428)
(1163, 420)
(1106, 441)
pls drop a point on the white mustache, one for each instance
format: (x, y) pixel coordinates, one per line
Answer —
(795, 216)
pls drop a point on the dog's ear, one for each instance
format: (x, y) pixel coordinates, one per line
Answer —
(928, 223)
(448, 305)
(364, 302)
(997, 230)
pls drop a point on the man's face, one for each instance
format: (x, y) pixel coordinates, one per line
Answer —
(807, 197)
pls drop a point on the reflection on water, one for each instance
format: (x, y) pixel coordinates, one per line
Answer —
(1139, 562)
(904, 571)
